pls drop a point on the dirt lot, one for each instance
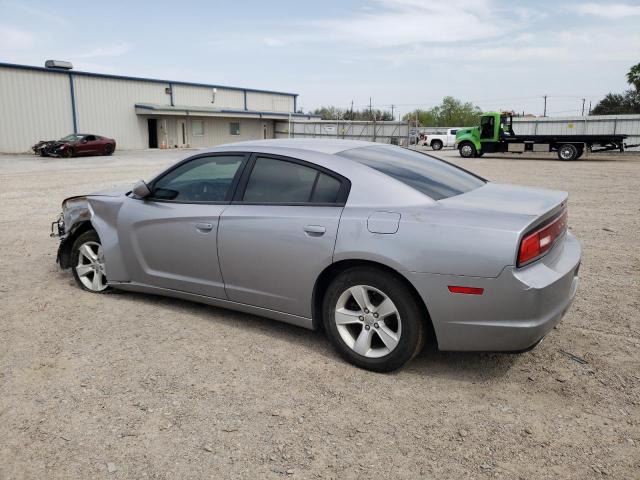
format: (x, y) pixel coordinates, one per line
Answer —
(134, 386)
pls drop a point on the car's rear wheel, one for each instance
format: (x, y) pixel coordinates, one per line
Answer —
(108, 149)
(467, 150)
(87, 258)
(436, 145)
(372, 319)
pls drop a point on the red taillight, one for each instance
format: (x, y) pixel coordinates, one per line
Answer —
(467, 290)
(538, 242)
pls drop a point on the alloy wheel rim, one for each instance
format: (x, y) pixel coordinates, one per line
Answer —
(566, 153)
(466, 150)
(368, 321)
(90, 267)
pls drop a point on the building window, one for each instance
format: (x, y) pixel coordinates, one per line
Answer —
(234, 128)
(197, 128)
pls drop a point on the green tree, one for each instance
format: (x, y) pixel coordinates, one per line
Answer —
(633, 77)
(335, 113)
(450, 113)
(618, 104)
(621, 103)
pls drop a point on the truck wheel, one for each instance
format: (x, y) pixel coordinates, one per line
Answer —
(567, 151)
(436, 145)
(467, 150)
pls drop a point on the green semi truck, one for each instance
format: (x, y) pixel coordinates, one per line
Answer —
(495, 135)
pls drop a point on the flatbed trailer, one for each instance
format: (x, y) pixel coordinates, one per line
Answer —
(495, 135)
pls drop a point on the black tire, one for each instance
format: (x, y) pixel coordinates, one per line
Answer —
(90, 237)
(436, 145)
(108, 149)
(68, 153)
(567, 152)
(467, 150)
(411, 318)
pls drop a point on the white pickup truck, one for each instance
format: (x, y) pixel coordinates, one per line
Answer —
(438, 141)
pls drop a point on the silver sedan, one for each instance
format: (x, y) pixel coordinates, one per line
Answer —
(380, 246)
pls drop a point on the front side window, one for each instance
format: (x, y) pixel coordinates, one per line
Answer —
(433, 177)
(279, 181)
(234, 128)
(204, 179)
(197, 128)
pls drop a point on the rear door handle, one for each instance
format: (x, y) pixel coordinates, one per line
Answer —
(204, 227)
(314, 230)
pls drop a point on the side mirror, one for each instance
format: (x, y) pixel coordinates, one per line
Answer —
(141, 189)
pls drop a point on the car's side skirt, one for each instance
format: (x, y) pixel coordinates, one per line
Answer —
(216, 302)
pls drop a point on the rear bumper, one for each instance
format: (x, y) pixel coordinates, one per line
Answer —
(517, 309)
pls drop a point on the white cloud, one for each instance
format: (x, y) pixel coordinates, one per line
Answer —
(404, 22)
(609, 10)
(274, 42)
(37, 12)
(106, 51)
(15, 38)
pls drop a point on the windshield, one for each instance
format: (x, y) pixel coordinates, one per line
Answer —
(74, 137)
(433, 177)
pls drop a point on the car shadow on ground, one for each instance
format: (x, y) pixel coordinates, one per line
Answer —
(463, 366)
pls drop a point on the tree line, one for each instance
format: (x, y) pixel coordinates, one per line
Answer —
(457, 113)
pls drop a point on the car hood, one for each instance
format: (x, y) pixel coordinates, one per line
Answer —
(111, 192)
(511, 199)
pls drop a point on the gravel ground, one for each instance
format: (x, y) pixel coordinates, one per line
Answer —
(135, 386)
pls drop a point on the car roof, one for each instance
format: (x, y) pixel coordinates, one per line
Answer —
(320, 145)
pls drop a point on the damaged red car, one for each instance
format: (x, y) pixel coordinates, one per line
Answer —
(74, 145)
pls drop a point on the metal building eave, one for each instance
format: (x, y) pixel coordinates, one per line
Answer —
(194, 111)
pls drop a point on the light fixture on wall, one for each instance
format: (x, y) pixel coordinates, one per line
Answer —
(213, 95)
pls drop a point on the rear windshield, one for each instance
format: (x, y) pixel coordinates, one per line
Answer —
(435, 178)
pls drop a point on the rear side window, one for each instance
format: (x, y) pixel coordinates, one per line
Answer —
(279, 181)
(433, 177)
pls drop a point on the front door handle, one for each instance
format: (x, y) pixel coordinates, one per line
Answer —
(314, 230)
(204, 227)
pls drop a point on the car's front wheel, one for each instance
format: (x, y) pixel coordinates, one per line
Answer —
(87, 258)
(372, 319)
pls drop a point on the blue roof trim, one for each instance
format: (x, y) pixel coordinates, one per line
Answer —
(141, 79)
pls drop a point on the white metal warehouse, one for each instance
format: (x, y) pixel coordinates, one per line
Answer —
(38, 103)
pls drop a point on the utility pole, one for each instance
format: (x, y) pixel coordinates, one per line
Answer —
(392, 117)
(372, 116)
(583, 100)
(545, 106)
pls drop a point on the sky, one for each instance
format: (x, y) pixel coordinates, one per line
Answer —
(406, 53)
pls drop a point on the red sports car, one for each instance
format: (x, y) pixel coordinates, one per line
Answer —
(76, 144)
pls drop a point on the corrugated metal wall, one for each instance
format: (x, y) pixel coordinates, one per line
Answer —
(217, 130)
(591, 125)
(203, 96)
(105, 106)
(33, 106)
(267, 102)
(382, 132)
